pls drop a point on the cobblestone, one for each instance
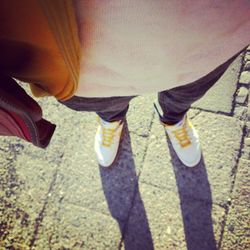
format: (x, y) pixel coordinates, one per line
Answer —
(242, 95)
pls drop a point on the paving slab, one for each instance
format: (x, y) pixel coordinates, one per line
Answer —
(84, 185)
(220, 138)
(79, 174)
(82, 182)
(237, 229)
(25, 183)
(166, 221)
(225, 86)
(66, 226)
(140, 114)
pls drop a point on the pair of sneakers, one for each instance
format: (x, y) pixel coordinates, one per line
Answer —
(182, 135)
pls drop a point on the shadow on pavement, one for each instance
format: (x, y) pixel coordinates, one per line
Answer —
(196, 203)
(121, 189)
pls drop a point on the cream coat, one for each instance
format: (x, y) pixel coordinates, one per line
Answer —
(140, 46)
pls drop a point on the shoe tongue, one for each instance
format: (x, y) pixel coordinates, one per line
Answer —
(109, 124)
(177, 125)
(180, 123)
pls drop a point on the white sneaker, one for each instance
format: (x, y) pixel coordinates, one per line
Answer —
(185, 142)
(107, 140)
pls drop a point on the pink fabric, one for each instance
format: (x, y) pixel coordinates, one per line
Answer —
(135, 47)
(10, 127)
(20, 122)
(21, 116)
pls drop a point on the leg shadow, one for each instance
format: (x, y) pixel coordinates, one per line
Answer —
(121, 190)
(196, 203)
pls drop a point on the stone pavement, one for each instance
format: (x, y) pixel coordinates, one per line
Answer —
(59, 198)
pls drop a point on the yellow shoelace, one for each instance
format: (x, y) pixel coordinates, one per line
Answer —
(182, 135)
(107, 136)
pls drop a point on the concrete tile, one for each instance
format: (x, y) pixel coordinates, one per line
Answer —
(82, 182)
(66, 226)
(29, 172)
(226, 85)
(79, 180)
(25, 183)
(161, 219)
(140, 114)
(220, 138)
(82, 186)
(237, 229)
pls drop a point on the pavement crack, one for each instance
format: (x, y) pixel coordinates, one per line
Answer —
(138, 134)
(233, 174)
(40, 217)
(136, 190)
(212, 112)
